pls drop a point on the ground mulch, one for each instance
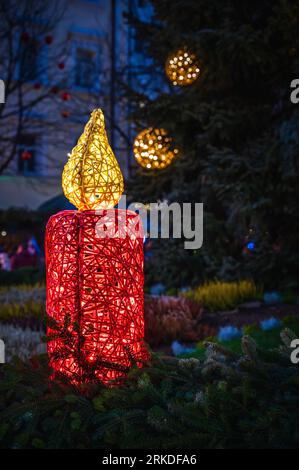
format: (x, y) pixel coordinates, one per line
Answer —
(247, 316)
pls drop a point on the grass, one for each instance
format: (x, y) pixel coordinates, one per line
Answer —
(218, 295)
(25, 310)
(266, 340)
(22, 301)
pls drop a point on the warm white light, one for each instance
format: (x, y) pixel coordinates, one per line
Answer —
(182, 68)
(157, 152)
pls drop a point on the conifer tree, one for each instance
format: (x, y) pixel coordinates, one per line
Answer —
(238, 134)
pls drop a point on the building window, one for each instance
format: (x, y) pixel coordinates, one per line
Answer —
(85, 68)
(29, 62)
(27, 155)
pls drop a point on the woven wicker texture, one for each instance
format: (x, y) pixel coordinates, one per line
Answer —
(182, 68)
(95, 294)
(91, 178)
(153, 149)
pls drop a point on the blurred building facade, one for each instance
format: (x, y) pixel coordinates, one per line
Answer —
(79, 65)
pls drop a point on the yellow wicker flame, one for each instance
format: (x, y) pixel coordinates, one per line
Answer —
(92, 178)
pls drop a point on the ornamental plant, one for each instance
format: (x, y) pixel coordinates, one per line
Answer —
(217, 295)
(169, 319)
(237, 131)
(227, 400)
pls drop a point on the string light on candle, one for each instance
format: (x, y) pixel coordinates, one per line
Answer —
(153, 149)
(92, 178)
(182, 67)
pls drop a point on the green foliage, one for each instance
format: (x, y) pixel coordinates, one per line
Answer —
(22, 301)
(290, 320)
(290, 298)
(26, 275)
(250, 329)
(17, 311)
(238, 134)
(265, 340)
(217, 295)
(224, 401)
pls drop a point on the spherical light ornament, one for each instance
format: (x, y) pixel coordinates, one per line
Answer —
(153, 149)
(182, 68)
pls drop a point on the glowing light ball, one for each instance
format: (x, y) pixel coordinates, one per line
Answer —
(182, 68)
(153, 149)
(94, 266)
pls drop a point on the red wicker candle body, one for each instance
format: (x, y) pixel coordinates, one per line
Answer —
(95, 294)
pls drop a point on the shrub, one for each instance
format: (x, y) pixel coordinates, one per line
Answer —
(267, 340)
(22, 303)
(219, 295)
(22, 293)
(171, 318)
(21, 342)
(22, 312)
(225, 401)
(22, 276)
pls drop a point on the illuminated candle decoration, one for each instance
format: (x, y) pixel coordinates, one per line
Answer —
(153, 149)
(94, 264)
(182, 68)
